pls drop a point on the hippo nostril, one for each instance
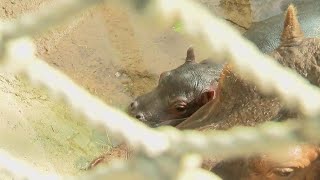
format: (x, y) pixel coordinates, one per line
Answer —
(140, 116)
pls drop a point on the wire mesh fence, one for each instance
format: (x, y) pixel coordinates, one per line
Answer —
(163, 153)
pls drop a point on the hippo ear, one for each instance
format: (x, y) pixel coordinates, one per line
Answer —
(207, 96)
(190, 55)
(292, 31)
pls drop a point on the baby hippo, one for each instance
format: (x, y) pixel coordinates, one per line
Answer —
(299, 163)
(180, 92)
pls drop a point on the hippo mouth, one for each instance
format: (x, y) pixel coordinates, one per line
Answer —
(171, 122)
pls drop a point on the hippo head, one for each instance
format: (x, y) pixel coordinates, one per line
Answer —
(180, 92)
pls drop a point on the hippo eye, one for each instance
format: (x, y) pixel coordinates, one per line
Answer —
(181, 107)
(283, 172)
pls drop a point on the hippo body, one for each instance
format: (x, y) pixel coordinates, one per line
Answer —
(266, 34)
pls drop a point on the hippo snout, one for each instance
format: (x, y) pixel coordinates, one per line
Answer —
(133, 111)
(140, 116)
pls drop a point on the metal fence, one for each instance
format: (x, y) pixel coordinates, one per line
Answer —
(163, 153)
